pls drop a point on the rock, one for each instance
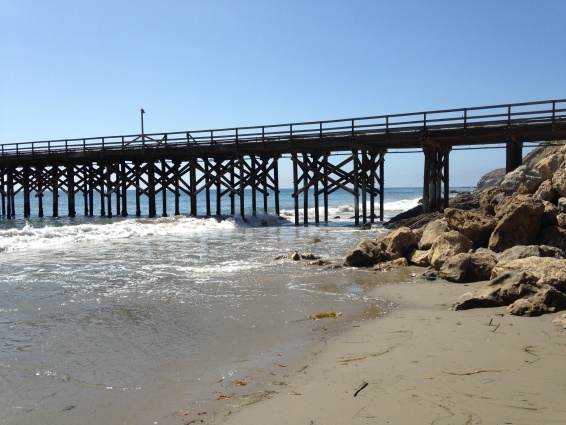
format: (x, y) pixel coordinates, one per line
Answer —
(518, 223)
(295, 256)
(447, 245)
(431, 231)
(309, 256)
(493, 178)
(560, 320)
(319, 262)
(561, 205)
(522, 251)
(491, 197)
(547, 300)
(561, 220)
(366, 254)
(548, 165)
(466, 200)
(559, 180)
(430, 274)
(547, 192)
(365, 226)
(546, 270)
(542, 151)
(522, 180)
(474, 226)
(500, 291)
(418, 257)
(399, 242)
(549, 216)
(553, 236)
(392, 246)
(394, 264)
(467, 267)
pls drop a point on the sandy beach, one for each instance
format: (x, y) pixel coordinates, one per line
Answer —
(426, 364)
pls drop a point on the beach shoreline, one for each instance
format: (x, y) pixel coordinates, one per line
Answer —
(424, 363)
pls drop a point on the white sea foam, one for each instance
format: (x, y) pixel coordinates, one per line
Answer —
(401, 205)
(48, 237)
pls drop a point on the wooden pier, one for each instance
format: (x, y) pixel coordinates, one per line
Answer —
(326, 156)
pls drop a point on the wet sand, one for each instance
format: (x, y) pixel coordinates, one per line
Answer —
(424, 364)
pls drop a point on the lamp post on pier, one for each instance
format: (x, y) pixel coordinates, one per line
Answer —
(142, 132)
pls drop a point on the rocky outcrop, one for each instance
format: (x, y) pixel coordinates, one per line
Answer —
(491, 234)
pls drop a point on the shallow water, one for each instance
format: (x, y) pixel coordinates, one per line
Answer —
(134, 320)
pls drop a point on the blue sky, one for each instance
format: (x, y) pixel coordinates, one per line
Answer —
(85, 68)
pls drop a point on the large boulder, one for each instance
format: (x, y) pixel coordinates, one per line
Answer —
(559, 180)
(366, 254)
(500, 291)
(553, 236)
(547, 270)
(468, 267)
(549, 165)
(491, 197)
(474, 226)
(446, 245)
(546, 300)
(547, 192)
(392, 246)
(418, 257)
(399, 242)
(431, 231)
(521, 251)
(550, 215)
(522, 180)
(518, 223)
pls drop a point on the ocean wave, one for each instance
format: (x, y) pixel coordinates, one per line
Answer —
(48, 237)
(401, 205)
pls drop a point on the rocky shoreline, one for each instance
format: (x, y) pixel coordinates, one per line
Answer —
(512, 234)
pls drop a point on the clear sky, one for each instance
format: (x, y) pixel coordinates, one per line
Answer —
(74, 68)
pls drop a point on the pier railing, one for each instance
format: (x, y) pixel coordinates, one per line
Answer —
(541, 112)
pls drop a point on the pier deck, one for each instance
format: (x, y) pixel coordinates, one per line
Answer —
(233, 159)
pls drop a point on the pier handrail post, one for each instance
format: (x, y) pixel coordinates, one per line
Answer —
(553, 113)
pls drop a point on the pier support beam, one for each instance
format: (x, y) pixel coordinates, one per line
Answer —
(436, 174)
(513, 155)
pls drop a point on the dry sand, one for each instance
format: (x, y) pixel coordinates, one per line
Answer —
(426, 364)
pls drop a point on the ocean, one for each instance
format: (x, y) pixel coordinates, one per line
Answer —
(137, 320)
